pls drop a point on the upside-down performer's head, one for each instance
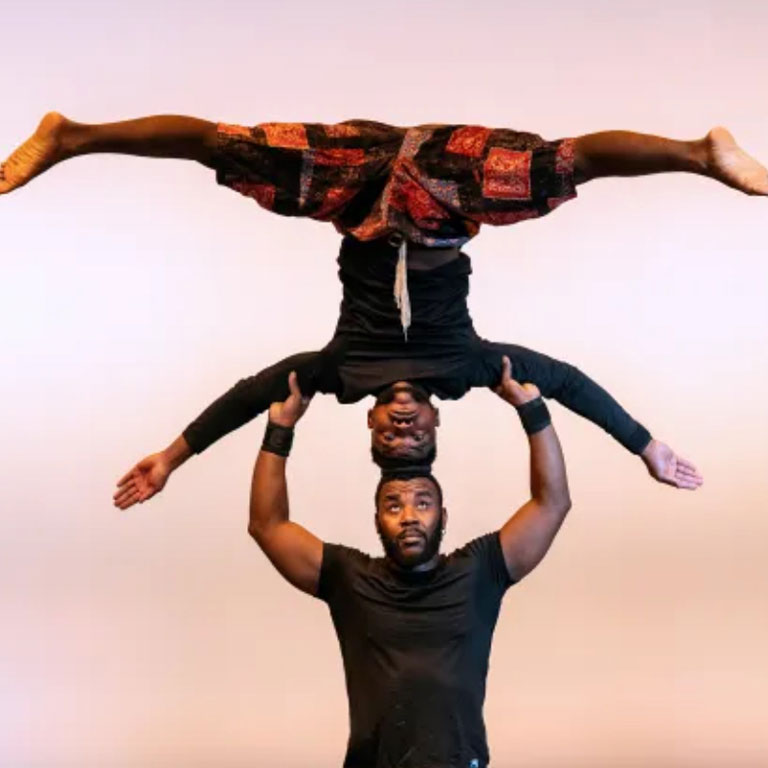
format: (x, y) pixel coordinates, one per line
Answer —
(410, 518)
(403, 425)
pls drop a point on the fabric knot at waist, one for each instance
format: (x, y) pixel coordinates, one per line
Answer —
(421, 258)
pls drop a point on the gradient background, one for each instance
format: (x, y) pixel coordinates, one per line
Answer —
(134, 291)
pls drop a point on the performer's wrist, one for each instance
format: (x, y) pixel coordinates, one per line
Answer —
(177, 452)
(278, 439)
(534, 415)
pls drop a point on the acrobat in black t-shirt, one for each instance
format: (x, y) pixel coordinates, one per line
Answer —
(416, 648)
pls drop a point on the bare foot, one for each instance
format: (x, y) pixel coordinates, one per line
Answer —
(667, 467)
(727, 162)
(38, 153)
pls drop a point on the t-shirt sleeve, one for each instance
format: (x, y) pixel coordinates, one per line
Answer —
(487, 553)
(339, 569)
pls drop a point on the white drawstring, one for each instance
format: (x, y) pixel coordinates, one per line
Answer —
(402, 300)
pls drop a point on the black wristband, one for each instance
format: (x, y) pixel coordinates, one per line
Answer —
(278, 439)
(535, 416)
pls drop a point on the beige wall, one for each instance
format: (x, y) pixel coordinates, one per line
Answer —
(134, 291)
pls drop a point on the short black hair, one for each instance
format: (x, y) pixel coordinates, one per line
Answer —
(423, 455)
(405, 474)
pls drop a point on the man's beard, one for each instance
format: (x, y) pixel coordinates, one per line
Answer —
(418, 393)
(431, 547)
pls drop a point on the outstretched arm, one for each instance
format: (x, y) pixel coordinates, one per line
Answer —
(580, 394)
(245, 401)
(292, 549)
(528, 534)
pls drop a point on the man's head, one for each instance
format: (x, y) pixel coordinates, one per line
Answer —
(410, 519)
(402, 424)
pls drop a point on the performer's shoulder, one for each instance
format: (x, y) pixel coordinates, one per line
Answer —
(339, 556)
(484, 555)
(485, 547)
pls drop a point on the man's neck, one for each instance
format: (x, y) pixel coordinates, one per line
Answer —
(430, 565)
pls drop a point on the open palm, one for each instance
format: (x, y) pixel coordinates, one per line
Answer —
(143, 481)
(667, 467)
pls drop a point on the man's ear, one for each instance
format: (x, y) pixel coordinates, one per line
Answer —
(437, 417)
(445, 518)
(370, 418)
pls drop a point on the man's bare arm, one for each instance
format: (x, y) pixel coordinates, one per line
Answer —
(528, 534)
(292, 549)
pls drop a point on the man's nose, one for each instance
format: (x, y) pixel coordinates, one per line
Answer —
(403, 397)
(408, 515)
(402, 425)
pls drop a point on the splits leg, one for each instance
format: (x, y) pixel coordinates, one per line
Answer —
(622, 153)
(58, 138)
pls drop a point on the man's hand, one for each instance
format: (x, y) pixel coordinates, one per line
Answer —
(667, 467)
(512, 391)
(143, 481)
(288, 413)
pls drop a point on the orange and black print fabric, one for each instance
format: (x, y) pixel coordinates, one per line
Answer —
(433, 184)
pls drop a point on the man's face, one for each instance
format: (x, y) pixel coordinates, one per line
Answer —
(403, 421)
(410, 522)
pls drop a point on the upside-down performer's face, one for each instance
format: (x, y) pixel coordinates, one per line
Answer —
(410, 520)
(403, 423)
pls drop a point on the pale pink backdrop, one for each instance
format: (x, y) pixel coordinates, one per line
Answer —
(134, 291)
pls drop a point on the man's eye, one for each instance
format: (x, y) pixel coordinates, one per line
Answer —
(423, 505)
(418, 437)
(389, 437)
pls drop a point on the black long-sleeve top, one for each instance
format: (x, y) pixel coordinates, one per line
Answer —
(443, 353)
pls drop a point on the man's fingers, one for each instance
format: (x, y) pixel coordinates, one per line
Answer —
(126, 477)
(134, 496)
(125, 491)
(687, 471)
(126, 494)
(125, 488)
(681, 462)
(127, 500)
(506, 375)
(293, 384)
(506, 369)
(688, 477)
(682, 479)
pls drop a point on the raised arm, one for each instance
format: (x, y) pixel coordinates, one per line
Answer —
(528, 534)
(242, 403)
(292, 549)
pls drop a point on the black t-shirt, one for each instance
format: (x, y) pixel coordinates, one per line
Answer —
(415, 648)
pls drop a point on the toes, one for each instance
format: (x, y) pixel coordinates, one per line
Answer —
(762, 189)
